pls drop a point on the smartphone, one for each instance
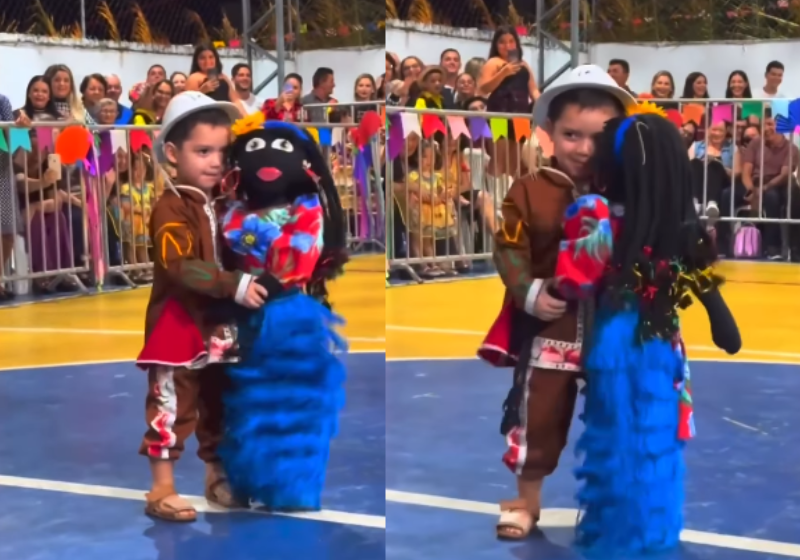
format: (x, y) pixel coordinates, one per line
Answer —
(513, 56)
(213, 74)
(54, 164)
(287, 88)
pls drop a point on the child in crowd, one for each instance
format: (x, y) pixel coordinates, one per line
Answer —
(548, 332)
(185, 388)
(136, 199)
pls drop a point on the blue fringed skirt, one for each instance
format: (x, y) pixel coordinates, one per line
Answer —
(282, 410)
(631, 477)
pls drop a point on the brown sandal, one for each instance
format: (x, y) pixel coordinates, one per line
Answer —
(218, 492)
(516, 521)
(157, 507)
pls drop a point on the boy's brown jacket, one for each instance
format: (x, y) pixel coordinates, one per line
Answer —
(187, 259)
(527, 244)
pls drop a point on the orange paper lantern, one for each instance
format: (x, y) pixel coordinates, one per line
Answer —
(73, 144)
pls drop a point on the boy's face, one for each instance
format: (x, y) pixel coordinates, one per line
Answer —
(573, 138)
(200, 161)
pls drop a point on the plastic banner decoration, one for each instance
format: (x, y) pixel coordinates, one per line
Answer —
(20, 138)
(44, 139)
(73, 144)
(3, 142)
(396, 137)
(788, 124)
(522, 128)
(752, 109)
(479, 128)
(499, 128)
(140, 139)
(693, 112)
(431, 124)
(105, 162)
(721, 114)
(458, 127)
(780, 107)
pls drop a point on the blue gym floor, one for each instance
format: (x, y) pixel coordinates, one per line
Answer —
(443, 441)
(82, 425)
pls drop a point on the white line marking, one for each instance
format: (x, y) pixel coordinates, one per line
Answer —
(745, 426)
(458, 332)
(552, 518)
(200, 503)
(127, 361)
(115, 332)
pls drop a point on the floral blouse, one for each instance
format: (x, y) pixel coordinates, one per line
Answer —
(275, 112)
(285, 241)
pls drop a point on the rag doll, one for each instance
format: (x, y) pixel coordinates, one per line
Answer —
(638, 408)
(286, 228)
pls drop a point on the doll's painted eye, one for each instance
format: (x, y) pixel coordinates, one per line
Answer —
(255, 144)
(282, 145)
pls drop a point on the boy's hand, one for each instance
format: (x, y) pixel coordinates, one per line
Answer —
(547, 307)
(255, 296)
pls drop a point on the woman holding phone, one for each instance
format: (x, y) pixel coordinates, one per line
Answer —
(206, 77)
(287, 106)
(509, 86)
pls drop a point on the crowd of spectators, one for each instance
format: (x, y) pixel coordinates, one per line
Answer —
(45, 202)
(467, 180)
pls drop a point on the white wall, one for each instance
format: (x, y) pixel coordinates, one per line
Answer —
(23, 56)
(715, 60)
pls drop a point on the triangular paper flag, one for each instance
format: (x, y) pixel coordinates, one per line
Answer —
(420, 104)
(722, 113)
(139, 140)
(395, 140)
(479, 128)
(431, 124)
(752, 109)
(105, 160)
(44, 139)
(780, 107)
(326, 136)
(787, 125)
(458, 127)
(119, 141)
(499, 128)
(410, 123)
(674, 116)
(545, 143)
(522, 128)
(693, 112)
(314, 133)
(3, 142)
(20, 139)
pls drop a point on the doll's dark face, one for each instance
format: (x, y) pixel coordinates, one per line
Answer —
(273, 166)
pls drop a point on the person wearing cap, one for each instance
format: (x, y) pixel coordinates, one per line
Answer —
(184, 348)
(537, 332)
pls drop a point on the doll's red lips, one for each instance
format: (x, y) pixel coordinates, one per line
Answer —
(268, 174)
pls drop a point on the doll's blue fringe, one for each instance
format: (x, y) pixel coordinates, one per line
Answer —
(282, 410)
(632, 491)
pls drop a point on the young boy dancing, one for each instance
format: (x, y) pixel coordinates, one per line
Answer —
(549, 332)
(185, 372)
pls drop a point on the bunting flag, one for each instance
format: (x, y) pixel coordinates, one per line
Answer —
(788, 124)
(402, 125)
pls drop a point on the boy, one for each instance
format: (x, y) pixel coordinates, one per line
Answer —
(525, 253)
(185, 385)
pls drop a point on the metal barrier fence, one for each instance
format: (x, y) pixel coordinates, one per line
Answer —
(68, 228)
(447, 173)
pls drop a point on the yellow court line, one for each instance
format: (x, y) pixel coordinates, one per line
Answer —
(722, 357)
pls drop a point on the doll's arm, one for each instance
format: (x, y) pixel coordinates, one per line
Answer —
(724, 331)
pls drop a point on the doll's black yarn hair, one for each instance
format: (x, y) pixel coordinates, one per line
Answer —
(662, 251)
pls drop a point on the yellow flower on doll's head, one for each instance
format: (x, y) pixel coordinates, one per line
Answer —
(248, 124)
(646, 108)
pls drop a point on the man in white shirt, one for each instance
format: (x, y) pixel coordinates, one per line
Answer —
(773, 79)
(242, 77)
